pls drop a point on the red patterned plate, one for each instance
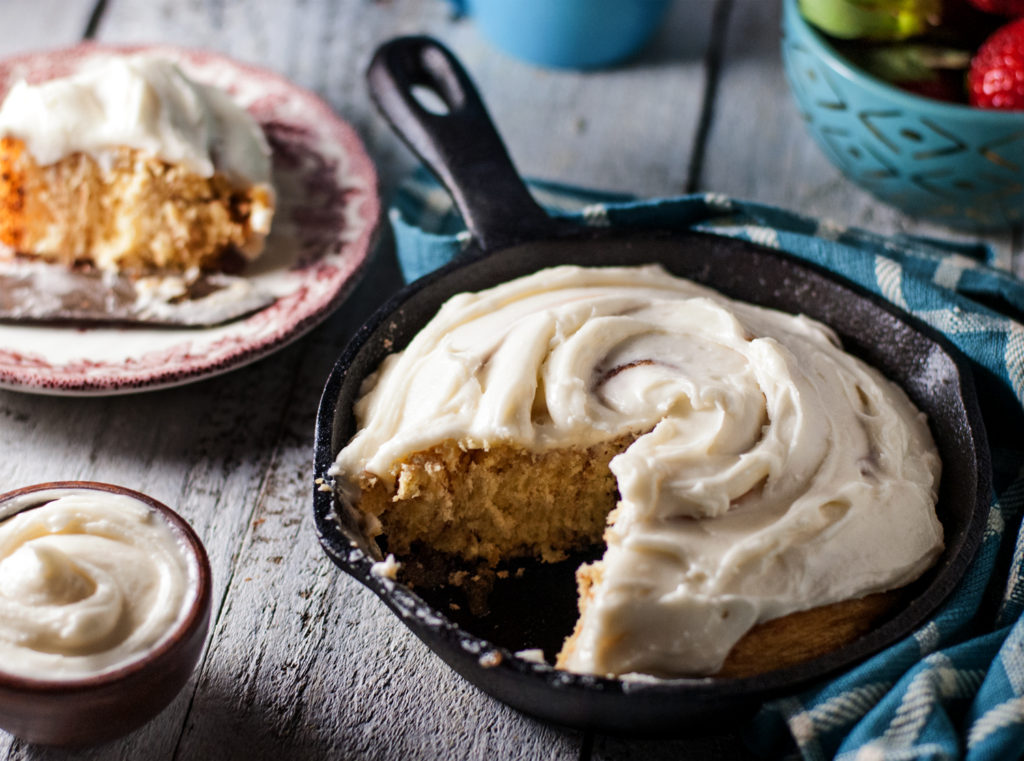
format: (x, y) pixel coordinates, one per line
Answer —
(322, 234)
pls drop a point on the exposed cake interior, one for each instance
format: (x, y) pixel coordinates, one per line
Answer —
(495, 504)
(132, 212)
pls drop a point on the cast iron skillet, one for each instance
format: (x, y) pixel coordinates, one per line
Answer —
(512, 236)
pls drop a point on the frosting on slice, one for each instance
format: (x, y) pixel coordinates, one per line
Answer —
(143, 102)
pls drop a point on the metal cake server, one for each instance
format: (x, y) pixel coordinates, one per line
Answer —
(34, 291)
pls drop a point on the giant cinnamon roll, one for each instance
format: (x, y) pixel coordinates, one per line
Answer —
(741, 466)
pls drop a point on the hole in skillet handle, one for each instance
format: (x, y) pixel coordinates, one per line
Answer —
(430, 101)
(459, 145)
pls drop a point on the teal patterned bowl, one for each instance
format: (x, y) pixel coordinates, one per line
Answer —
(952, 163)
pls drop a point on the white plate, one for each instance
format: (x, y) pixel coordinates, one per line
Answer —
(322, 234)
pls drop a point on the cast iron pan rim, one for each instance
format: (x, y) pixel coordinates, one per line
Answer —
(400, 598)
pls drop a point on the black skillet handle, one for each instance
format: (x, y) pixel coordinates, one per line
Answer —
(461, 147)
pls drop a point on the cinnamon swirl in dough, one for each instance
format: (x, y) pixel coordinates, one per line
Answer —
(740, 465)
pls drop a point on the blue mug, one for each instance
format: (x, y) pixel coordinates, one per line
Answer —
(568, 34)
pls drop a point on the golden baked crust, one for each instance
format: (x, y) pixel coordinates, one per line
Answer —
(774, 644)
(133, 212)
(806, 634)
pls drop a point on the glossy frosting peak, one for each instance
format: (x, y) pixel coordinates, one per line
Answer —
(773, 471)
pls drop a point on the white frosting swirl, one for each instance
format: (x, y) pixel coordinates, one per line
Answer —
(89, 581)
(142, 102)
(774, 473)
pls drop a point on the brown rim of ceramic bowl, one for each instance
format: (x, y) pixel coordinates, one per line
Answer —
(166, 646)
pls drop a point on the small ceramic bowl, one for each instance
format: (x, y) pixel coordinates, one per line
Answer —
(955, 164)
(94, 709)
(567, 34)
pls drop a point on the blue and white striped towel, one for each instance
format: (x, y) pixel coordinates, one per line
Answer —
(955, 688)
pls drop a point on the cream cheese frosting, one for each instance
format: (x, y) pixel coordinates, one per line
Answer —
(774, 472)
(143, 102)
(89, 581)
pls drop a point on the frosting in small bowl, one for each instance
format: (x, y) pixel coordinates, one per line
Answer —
(89, 581)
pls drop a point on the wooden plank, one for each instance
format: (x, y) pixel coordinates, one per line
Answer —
(42, 24)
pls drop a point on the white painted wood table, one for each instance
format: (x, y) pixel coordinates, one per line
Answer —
(302, 662)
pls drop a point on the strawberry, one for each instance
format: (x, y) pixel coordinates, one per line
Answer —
(996, 77)
(1002, 7)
